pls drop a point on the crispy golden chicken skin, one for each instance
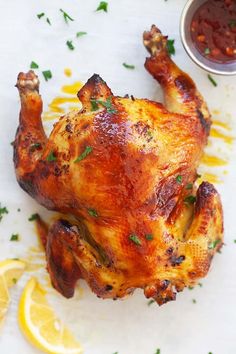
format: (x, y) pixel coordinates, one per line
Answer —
(123, 172)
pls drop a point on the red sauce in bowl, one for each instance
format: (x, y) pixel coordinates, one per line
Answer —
(213, 30)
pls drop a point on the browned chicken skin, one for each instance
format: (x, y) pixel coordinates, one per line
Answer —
(123, 172)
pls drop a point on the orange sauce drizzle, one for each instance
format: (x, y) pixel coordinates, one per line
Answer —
(68, 72)
(59, 105)
(213, 161)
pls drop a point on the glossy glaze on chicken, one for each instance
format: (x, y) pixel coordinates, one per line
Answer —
(123, 172)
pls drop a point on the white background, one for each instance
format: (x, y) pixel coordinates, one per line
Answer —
(129, 326)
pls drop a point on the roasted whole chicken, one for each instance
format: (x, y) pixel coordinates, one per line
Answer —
(123, 172)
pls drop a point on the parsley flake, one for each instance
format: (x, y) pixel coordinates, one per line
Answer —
(84, 154)
(190, 199)
(170, 46)
(179, 179)
(108, 105)
(194, 301)
(70, 45)
(103, 6)
(234, 241)
(14, 280)
(80, 34)
(47, 74)
(232, 23)
(189, 186)
(213, 244)
(149, 237)
(14, 237)
(35, 146)
(3, 210)
(33, 65)
(67, 18)
(51, 157)
(200, 284)
(128, 66)
(207, 51)
(150, 302)
(158, 351)
(40, 15)
(93, 212)
(214, 83)
(33, 217)
(48, 21)
(134, 238)
(94, 105)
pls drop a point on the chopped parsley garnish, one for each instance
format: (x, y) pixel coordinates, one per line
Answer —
(18, 210)
(51, 157)
(171, 46)
(150, 302)
(149, 237)
(14, 280)
(33, 217)
(232, 23)
(93, 212)
(33, 65)
(158, 351)
(14, 237)
(200, 284)
(214, 83)
(70, 45)
(128, 66)
(103, 6)
(179, 179)
(80, 34)
(3, 210)
(134, 238)
(190, 199)
(234, 241)
(190, 287)
(47, 74)
(213, 244)
(108, 105)
(35, 146)
(67, 18)
(207, 51)
(189, 186)
(84, 154)
(198, 176)
(194, 301)
(94, 104)
(40, 15)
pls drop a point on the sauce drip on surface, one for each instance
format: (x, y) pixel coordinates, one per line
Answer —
(213, 30)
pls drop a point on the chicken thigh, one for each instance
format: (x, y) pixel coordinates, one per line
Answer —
(123, 172)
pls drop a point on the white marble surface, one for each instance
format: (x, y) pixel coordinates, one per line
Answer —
(130, 326)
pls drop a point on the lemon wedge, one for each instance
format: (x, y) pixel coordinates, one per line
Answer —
(10, 272)
(40, 325)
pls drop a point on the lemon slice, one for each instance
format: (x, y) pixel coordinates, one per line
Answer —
(10, 272)
(40, 325)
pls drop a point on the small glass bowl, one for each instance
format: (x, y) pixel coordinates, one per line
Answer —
(185, 33)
